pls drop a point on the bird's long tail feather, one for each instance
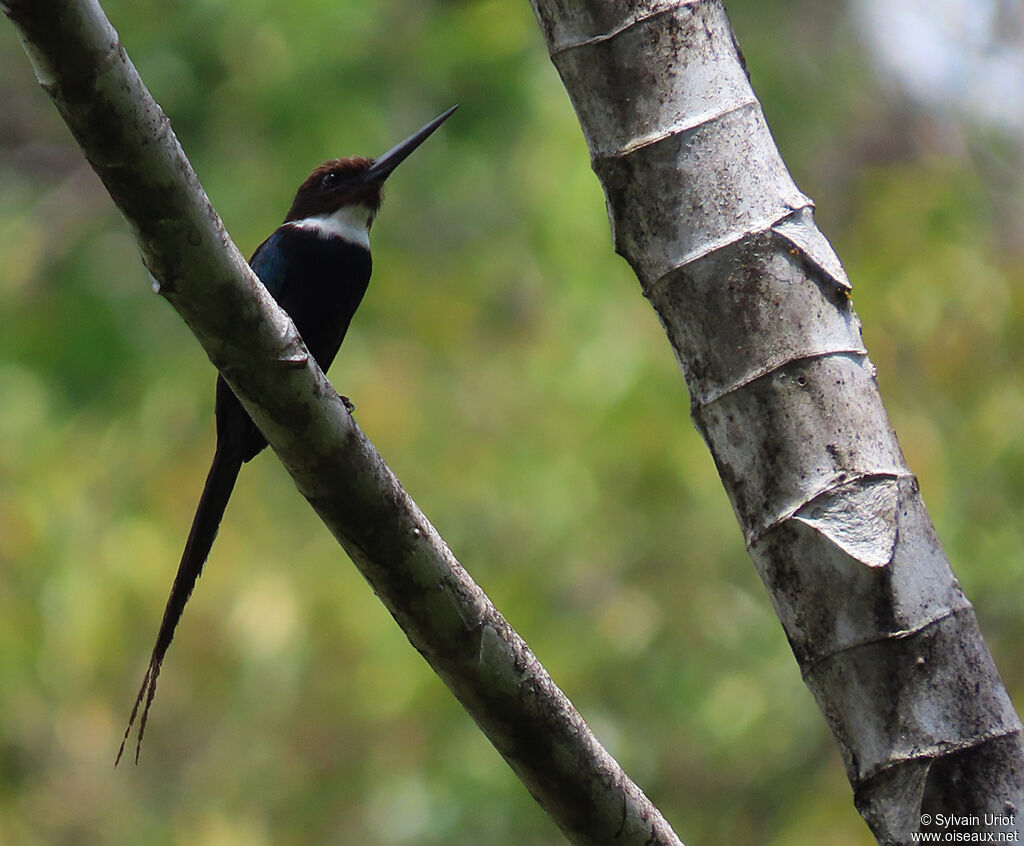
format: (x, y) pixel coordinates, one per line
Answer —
(219, 483)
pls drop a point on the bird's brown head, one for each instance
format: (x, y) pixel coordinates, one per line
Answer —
(355, 181)
(335, 184)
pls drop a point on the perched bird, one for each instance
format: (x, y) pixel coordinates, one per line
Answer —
(316, 265)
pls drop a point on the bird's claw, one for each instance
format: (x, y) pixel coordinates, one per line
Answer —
(349, 407)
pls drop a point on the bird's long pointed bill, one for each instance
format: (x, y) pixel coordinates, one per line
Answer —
(382, 167)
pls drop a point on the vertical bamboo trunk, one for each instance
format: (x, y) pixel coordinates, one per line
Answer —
(757, 308)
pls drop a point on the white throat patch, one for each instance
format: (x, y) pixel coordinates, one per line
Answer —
(350, 223)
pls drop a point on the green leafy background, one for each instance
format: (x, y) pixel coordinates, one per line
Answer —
(507, 367)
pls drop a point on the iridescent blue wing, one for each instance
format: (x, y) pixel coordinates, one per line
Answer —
(269, 265)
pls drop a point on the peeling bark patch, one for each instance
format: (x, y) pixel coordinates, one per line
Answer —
(860, 519)
(799, 230)
(827, 599)
(791, 435)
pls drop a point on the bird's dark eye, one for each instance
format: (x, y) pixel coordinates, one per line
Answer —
(330, 179)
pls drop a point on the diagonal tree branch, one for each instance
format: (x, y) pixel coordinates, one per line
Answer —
(757, 308)
(81, 64)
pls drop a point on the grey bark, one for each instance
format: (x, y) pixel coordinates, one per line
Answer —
(757, 308)
(81, 64)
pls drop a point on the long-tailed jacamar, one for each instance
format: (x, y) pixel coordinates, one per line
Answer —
(316, 265)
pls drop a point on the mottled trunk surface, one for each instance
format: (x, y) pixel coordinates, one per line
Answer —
(757, 308)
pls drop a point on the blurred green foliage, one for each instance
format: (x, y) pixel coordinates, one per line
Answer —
(507, 367)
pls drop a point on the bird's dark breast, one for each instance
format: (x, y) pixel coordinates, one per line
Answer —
(320, 282)
(322, 288)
